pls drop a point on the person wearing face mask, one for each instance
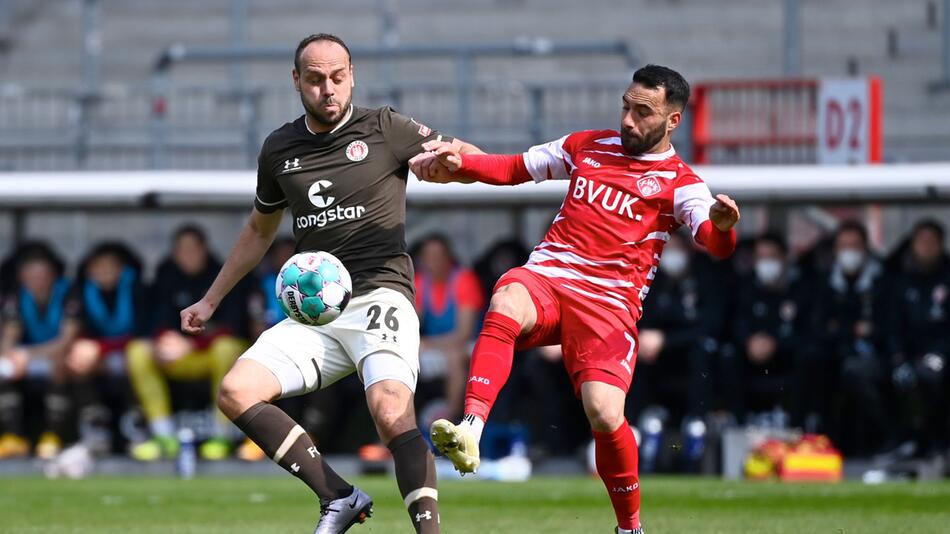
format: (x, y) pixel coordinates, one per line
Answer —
(681, 325)
(848, 371)
(759, 373)
(918, 340)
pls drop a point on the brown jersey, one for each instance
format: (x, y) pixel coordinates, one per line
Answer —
(346, 190)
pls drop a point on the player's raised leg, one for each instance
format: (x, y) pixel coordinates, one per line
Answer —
(615, 451)
(390, 381)
(511, 313)
(245, 397)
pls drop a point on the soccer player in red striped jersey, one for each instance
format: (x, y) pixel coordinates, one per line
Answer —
(584, 284)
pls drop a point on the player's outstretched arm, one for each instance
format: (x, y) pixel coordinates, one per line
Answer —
(431, 167)
(446, 162)
(251, 245)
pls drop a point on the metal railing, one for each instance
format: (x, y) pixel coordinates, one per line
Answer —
(205, 127)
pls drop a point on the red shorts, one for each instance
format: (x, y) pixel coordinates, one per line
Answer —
(599, 342)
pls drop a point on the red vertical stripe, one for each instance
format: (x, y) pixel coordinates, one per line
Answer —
(700, 124)
(876, 113)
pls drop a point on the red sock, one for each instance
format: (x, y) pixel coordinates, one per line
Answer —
(616, 454)
(491, 363)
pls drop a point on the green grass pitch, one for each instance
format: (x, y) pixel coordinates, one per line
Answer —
(235, 505)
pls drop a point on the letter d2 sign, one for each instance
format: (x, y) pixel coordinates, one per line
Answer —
(849, 125)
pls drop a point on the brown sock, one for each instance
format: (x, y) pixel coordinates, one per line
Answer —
(285, 442)
(415, 474)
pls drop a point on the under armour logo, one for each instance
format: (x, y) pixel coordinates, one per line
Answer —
(294, 467)
(291, 164)
(426, 515)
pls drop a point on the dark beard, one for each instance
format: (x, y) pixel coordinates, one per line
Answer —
(322, 118)
(636, 147)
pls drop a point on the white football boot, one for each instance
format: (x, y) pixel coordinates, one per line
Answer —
(457, 443)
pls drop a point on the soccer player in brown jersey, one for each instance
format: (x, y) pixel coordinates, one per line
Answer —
(341, 170)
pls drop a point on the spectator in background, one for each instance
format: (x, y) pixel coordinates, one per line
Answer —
(769, 336)
(678, 336)
(849, 375)
(110, 300)
(264, 305)
(9, 265)
(449, 302)
(496, 261)
(182, 279)
(38, 329)
(918, 338)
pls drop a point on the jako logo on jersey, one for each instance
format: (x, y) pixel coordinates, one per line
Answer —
(648, 186)
(357, 151)
(626, 489)
(590, 161)
(338, 213)
(316, 199)
(480, 380)
(613, 200)
(291, 164)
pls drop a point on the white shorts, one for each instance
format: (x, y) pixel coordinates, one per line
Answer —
(382, 323)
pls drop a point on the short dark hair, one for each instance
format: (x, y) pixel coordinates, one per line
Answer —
(37, 256)
(654, 76)
(193, 230)
(929, 224)
(853, 226)
(317, 37)
(434, 237)
(775, 238)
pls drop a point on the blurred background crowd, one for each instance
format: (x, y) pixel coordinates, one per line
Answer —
(838, 339)
(129, 135)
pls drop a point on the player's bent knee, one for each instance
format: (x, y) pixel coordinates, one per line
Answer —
(603, 414)
(390, 403)
(603, 405)
(605, 419)
(513, 301)
(241, 389)
(230, 398)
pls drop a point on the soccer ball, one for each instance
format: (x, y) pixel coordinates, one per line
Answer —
(313, 288)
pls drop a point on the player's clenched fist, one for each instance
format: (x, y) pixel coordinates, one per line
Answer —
(194, 317)
(724, 213)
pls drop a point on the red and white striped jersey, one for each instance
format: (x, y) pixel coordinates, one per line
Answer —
(605, 242)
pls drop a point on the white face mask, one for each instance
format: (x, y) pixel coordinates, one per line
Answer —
(850, 260)
(674, 262)
(768, 271)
